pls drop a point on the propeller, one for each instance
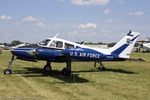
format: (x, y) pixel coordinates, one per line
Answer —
(32, 52)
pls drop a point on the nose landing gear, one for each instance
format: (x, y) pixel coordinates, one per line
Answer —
(9, 71)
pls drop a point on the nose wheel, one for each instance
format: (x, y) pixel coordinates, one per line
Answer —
(8, 71)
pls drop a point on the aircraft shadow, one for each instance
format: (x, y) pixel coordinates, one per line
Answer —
(38, 72)
(120, 71)
(108, 70)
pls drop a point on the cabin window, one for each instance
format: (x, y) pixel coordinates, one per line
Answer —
(45, 42)
(56, 44)
(67, 45)
(59, 44)
(78, 47)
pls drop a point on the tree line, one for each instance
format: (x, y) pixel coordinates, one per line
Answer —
(13, 43)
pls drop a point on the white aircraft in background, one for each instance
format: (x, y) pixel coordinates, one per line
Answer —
(146, 45)
(2, 46)
(20, 45)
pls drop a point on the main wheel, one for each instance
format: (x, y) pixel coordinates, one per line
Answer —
(47, 69)
(103, 68)
(7, 71)
(65, 72)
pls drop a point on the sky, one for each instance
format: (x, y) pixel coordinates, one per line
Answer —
(75, 20)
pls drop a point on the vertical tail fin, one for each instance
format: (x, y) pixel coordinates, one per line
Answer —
(124, 47)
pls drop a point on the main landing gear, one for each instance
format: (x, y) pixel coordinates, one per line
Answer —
(67, 71)
(8, 71)
(47, 68)
(101, 67)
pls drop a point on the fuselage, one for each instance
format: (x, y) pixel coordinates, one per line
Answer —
(59, 50)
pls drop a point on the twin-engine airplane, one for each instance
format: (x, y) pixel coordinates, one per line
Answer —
(59, 50)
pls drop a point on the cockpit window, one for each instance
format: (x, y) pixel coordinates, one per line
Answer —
(45, 42)
(57, 44)
(67, 45)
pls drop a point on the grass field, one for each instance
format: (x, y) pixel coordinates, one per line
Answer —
(121, 81)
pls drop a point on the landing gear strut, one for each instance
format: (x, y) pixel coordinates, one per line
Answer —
(47, 68)
(8, 71)
(67, 71)
(101, 67)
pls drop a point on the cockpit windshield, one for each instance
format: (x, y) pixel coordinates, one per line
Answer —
(45, 42)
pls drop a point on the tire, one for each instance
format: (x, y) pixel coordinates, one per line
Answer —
(7, 71)
(47, 69)
(103, 68)
(65, 72)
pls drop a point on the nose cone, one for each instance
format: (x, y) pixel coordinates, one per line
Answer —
(24, 52)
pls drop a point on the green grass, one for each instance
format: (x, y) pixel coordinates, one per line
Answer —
(121, 81)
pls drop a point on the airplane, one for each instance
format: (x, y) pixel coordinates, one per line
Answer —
(20, 45)
(146, 45)
(60, 50)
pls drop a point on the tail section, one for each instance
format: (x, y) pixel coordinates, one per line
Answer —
(124, 47)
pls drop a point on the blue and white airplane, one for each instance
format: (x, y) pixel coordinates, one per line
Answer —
(60, 50)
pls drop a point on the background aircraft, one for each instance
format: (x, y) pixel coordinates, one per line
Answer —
(20, 45)
(59, 50)
(144, 44)
(147, 45)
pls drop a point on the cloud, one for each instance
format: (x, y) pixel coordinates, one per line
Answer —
(8, 35)
(73, 33)
(107, 11)
(81, 33)
(105, 31)
(41, 24)
(29, 19)
(109, 20)
(87, 26)
(4, 17)
(90, 2)
(61, 0)
(138, 13)
(121, 1)
(35, 22)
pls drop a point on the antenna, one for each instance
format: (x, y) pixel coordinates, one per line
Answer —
(56, 35)
(53, 38)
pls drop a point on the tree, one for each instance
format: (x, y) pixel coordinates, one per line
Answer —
(111, 44)
(15, 42)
